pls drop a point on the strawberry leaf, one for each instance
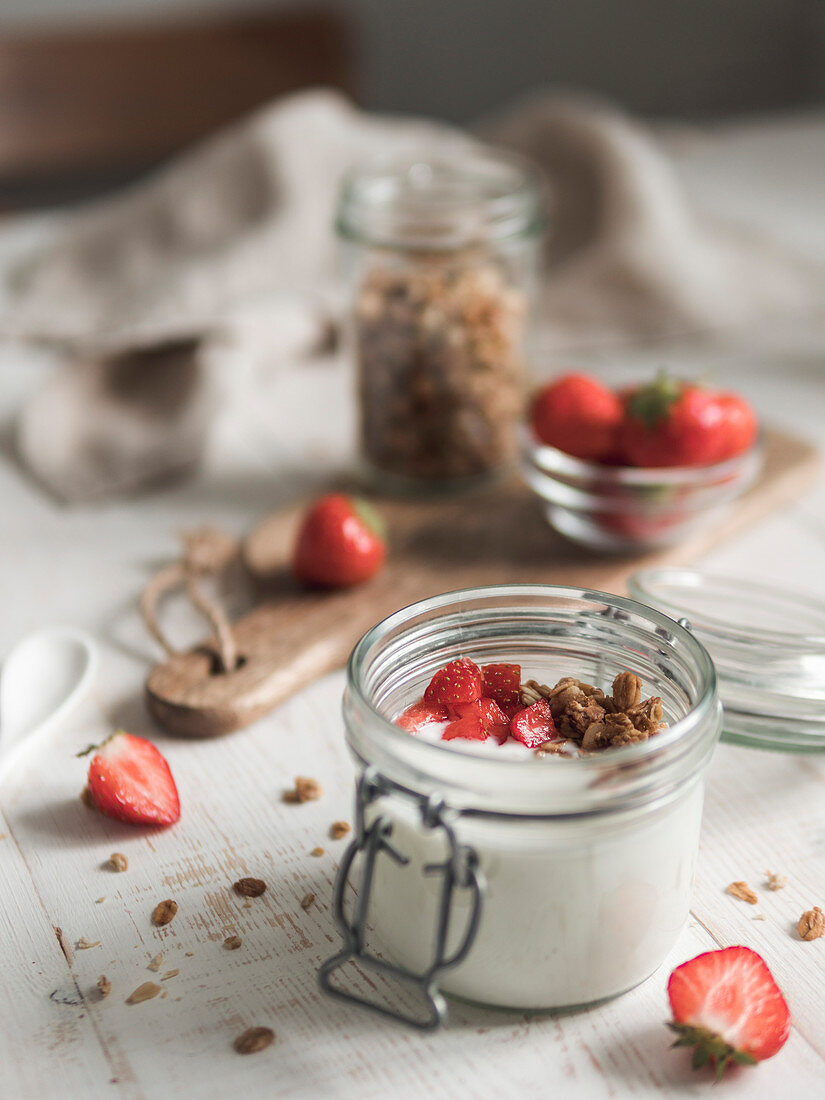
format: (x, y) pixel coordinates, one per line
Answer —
(652, 403)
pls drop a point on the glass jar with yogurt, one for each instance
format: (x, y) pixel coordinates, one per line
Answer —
(508, 880)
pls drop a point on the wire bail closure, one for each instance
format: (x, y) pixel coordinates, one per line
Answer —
(460, 870)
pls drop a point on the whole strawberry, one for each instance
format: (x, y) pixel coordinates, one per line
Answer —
(578, 415)
(727, 1006)
(340, 543)
(130, 780)
(673, 423)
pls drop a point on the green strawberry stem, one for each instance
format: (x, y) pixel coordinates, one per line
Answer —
(706, 1045)
(652, 403)
(368, 516)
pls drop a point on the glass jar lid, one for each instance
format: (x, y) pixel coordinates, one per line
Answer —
(768, 646)
(442, 197)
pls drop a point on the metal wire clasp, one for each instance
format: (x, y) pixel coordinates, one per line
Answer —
(459, 870)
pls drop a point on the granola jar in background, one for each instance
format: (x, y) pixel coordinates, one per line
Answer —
(441, 249)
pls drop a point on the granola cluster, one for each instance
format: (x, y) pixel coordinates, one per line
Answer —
(594, 720)
(441, 377)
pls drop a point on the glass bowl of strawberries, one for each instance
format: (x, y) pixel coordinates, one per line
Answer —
(642, 467)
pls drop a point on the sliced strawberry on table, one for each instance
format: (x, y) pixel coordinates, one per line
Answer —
(130, 781)
(502, 683)
(468, 722)
(421, 714)
(458, 682)
(727, 1006)
(496, 723)
(534, 725)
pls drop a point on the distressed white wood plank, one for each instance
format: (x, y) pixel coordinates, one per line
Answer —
(766, 812)
(233, 824)
(47, 1033)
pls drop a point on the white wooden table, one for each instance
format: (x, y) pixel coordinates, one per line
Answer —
(764, 811)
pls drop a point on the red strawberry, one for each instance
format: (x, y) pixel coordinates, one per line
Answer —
(579, 415)
(741, 425)
(534, 725)
(673, 423)
(727, 1006)
(130, 780)
(503, 684)
(421, 714)
(457, 682)
(496, 723)
(467, 723)
(340, 543)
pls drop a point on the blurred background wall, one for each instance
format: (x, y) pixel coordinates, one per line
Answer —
(460, 58)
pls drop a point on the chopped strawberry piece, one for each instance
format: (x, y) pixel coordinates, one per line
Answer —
(456, 683)
(495, 721)
(468, 723)
(421, 714)
(503, 684)
(534, 725)
(727, 1006)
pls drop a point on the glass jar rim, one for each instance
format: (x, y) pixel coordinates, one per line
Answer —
(647, 585)
(443, 196)
(635, 761)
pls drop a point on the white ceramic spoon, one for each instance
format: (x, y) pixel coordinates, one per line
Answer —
(41, 679)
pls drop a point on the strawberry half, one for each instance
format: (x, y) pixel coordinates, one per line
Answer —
(130, 781)
(534, 725)
(502, 683)
(727, 1006)
(458, 682)
(421, 714)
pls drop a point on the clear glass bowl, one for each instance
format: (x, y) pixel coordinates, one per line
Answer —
(625, 509)
(768, 646)
(589, 861)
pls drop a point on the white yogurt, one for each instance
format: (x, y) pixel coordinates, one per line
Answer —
(575, 911)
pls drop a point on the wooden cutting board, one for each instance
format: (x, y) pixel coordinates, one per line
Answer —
(493, 536)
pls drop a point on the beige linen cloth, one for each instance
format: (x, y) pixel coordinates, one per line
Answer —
(155, 295)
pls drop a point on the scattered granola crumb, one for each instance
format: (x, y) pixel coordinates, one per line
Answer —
(189, 954)
(232, 943)
(100, 901)
(170, 974)
(164, 993)
(104, 986)
(247, 903)
(317, 851)
(811, 924)
(143, 992)
(84, 945)
(759, 916)
(254, 1039)
(775, 881)
(743, 891)
(3, 836)
(305, 790)
(249, 887)
(118, 862)
(339, 829)
(155, 963)
(164, 911)
(307, 900)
